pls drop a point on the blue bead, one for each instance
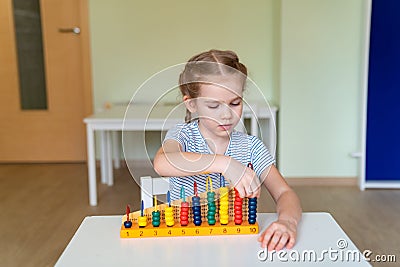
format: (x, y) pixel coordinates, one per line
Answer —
(252, 221)
(252, 216)
(128, 224)
(197, 213)
(252, 212)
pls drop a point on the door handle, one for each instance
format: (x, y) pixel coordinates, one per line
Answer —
(74, 30)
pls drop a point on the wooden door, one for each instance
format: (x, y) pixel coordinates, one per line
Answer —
(56, 133)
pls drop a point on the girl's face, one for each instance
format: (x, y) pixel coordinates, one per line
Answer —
(219, 105)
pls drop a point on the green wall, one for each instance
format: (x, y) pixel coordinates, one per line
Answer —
(305, 55)
(320, 86)
(132, 40)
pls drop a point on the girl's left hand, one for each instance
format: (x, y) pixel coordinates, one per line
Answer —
(279, 234)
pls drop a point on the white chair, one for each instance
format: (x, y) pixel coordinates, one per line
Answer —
(152, 186)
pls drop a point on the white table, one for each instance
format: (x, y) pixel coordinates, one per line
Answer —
(97, 243)
(110, 121)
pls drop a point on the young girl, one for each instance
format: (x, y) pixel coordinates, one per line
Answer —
(212, 85)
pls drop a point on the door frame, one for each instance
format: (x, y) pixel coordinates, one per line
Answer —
(86, 57)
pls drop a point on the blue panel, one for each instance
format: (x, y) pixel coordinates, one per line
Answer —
(383, 115)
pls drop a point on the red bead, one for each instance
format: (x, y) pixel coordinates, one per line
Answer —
(184, 213)
(238, 216)
(184, 218)
(238, 221)
(238, 208)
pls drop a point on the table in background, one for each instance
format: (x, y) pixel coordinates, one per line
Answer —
(110, 121)
(97, 243)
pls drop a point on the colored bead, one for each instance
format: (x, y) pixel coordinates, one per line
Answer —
(211, 208)
(196, 208)
(252, 210)
(184, 218)
(238, 208)
(128, 224)
(142, 221)
(169, 216)
(156, 218)
(224, 205)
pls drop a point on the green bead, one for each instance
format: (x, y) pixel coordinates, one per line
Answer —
(211, 222)
(156, 218)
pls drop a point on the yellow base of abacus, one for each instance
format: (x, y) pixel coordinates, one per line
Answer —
(190, 230)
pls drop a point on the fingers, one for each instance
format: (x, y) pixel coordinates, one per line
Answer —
(276, 237)
(292, 240)
(241, 191)
(244, 179)
(274, 240)
(251, 183)
(266, 236)
(282, 242)
(255, 187)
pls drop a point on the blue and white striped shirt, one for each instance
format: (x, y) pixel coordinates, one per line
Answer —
(242, 147)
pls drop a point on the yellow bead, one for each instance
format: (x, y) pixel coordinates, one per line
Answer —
(224, 221)
(224, 217)
(223, 192)
(223, 209)
(224, 206)
(169, 216)
(142, 221)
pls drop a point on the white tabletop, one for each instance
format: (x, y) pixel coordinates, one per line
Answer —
(163, 111)
(97, 243)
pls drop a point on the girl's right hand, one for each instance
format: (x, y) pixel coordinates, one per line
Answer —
(243, 178)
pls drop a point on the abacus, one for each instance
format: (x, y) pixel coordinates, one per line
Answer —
(214, 212)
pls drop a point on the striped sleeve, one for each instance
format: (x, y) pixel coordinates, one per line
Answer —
(178, 134)
(260, 156)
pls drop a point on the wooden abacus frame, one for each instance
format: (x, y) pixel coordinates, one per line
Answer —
(190, 230)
